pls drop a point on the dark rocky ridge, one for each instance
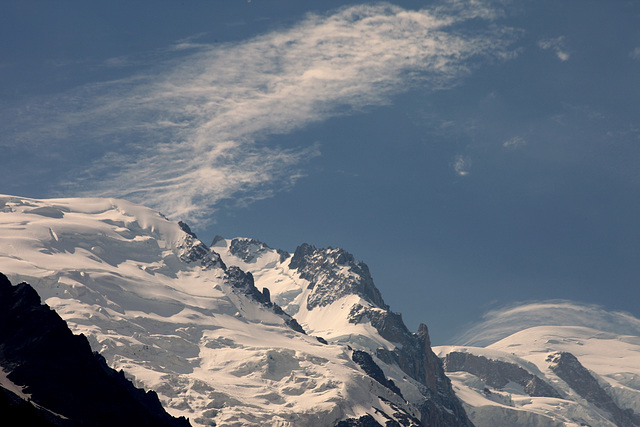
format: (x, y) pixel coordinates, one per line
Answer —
(498, 374)
(365, 361)
(398, 418)
(414, 356)
(570, 370)
(324, 269)
(249, 249)
(15, 411)
(61, 373)
(363, 421)
(243, 282)
(193, 250)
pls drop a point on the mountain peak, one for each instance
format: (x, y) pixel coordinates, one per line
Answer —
(332, 274)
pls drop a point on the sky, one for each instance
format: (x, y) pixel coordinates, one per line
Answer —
(473, 153)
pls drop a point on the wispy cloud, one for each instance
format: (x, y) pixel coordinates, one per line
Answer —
(462, 165)
(557, 45)
(190, 133)
(515, 142)
(635, 53)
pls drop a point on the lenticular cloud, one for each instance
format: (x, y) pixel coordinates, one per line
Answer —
(185, 136)
(499, 324)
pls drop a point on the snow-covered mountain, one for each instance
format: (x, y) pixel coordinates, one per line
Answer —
(549, 364)
(204, 327)
(239, 333)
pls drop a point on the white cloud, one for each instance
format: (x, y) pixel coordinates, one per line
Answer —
(515, 142)
(556, 45)
(462, 165)
(187, 135)
(635, 53)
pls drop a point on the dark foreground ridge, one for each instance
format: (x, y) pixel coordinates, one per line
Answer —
(68, 384)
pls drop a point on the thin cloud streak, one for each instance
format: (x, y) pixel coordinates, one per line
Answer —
(515, 142)
(191, 133)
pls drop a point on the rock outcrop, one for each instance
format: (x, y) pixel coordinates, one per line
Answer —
(333, 274)
(498, 374)
(568, 367)
(243, 282)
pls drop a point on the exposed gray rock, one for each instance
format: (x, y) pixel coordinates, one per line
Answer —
(192, 250)
(332, 274)
(245, 284)
(568, 367)
(248, 250)
(497, 374)
(363, 421)
(365, 361)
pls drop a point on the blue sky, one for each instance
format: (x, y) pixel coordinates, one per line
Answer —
(472, 153)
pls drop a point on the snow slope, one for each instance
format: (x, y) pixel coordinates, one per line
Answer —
(158, 304)
(606, 344)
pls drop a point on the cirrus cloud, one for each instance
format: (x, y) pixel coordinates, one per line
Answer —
(189, 133)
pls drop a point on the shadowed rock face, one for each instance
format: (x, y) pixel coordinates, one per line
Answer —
(333, 273)
(60, 372)
(244, 282)
(566, 366)
(365, 361)
(364, 421)
(498, 374)
(414, 356)
(248, 250)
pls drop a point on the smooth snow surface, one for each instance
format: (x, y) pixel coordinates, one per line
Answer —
(130, 280)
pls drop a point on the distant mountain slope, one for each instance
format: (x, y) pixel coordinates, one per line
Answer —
(580, 362)
(58, 372)
(203, 333)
